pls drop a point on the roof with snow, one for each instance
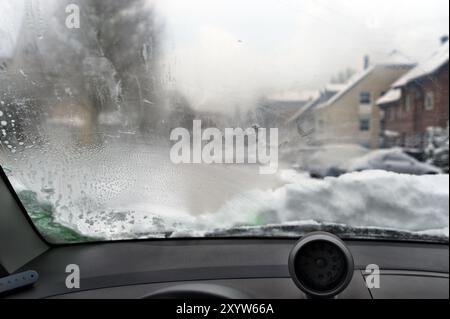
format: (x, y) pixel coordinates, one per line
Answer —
(302, 111)
(329, 91)
(395, 58)
(333, 87)
(425, 68)
(357, 78)
(294, 96)
(393, 95)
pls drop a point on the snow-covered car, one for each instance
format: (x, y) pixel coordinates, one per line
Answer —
(392, 160)
(328, 160)
(440, 158)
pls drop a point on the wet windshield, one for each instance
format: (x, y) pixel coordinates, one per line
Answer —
(153, 119)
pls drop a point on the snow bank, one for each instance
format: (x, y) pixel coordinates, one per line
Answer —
(377, 199)
(369, 199)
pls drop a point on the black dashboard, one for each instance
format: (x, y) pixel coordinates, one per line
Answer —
(231, 268)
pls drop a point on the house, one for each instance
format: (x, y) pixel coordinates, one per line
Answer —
(418, 100)
(275, 110)
(351, 116)
(303, 121)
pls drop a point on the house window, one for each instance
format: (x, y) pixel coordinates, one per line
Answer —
(429, 101)
(408, 103)
(392, 112)
(365, 98)
(364, 124)
(418, 94)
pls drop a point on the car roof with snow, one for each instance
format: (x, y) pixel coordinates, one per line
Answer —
(375, 155)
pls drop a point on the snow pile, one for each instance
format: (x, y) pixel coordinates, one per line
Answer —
(374, 199)
(366, 199)
(378, 199)
(369, 199)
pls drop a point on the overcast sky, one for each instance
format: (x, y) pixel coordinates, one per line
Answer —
(227, 51)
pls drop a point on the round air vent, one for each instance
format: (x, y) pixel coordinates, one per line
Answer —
(321, 265)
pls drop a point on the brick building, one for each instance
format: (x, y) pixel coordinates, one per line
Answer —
(417, 101)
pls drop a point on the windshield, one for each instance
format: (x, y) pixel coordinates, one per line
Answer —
(147, 119)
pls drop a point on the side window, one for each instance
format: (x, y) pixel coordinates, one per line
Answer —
(392, 157)
(398, 157)
(364, 124)
(365, 98)
(429, 101)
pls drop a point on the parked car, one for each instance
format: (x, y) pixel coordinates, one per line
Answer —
(440, 158)
(328, 160)
(393, 160)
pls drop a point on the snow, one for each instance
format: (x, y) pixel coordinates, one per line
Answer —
(302, 111)
(391, 96)
(367, 159)
(294, 96)
(319, 100)
(332, 87)
(403, 162)
(101, 196)
(390, 133)
(370, 199)
(396, 58)
(427, 67)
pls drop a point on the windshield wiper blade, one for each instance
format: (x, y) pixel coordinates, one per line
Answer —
(343, 231)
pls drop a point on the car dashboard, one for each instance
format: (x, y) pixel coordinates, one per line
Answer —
(231, 269)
